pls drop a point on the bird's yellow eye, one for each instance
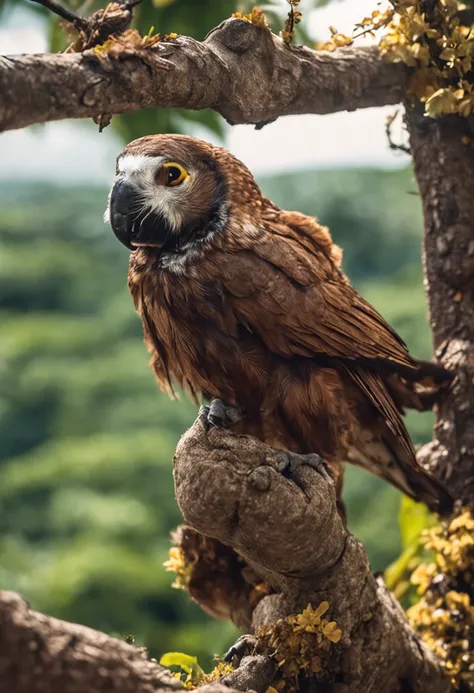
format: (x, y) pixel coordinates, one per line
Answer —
(172, 174)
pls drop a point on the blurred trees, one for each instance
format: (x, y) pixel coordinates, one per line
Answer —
(86, 494)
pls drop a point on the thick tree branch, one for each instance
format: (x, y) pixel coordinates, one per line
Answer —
(40, 654)
(244, 72)
(444, 167)
(290, 533)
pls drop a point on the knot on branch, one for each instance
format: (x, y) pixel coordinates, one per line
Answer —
(237, 35)
(228, 487)
(270, 70)
(113, 20)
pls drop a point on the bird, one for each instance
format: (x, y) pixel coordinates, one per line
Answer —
(247, 305)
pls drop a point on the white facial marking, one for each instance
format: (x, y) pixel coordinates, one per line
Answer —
(138, 164)
(140, 171)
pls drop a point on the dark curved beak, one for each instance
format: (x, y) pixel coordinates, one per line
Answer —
(132, 222)
(124, 205)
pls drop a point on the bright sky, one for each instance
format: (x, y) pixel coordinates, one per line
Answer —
(63, 151)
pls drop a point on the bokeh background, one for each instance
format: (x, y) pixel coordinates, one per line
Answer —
(86, 439)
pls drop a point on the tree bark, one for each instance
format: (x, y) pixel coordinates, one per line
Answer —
(41, 654)
(245, 73)
(444, 167)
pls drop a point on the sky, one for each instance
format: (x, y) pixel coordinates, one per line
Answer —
(46, 152)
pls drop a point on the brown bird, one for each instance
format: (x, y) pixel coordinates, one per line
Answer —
(247, 303)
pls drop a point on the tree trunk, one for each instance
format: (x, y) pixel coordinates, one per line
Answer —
(443, 156)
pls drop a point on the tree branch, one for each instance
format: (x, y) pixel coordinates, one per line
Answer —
(244, 72)
(290, 533)
(41, 654)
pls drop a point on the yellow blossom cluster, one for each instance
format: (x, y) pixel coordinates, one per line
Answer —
(178, 563)
(255, 17)
(301, 645)
(129, 41)
(444, 616)
(221, 669)
(438, 46)
(191, 674)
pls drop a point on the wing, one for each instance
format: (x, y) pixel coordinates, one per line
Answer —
(298, 301)
(288, 289)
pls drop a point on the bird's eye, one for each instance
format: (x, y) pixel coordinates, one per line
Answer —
(172, 174)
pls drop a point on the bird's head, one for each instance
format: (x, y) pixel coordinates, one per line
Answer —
(170, 190)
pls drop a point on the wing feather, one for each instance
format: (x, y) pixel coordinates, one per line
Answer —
(288, 288)
(323, 316)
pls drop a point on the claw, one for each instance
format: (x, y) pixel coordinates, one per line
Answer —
(243, 645)
(220, 415)
(288, 463)
(203, 414)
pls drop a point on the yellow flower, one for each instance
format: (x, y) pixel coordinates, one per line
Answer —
(177, 563)
(310, 618)
(332, 632)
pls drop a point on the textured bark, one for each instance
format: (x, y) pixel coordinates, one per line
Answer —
(245, 73)
(290, 533)
(444, 166)
(40, 653)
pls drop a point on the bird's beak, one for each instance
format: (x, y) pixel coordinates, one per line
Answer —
(131, 222)
(124, 201)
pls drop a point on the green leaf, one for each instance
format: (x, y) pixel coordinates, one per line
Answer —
(186, 662)
(396, 571)
(413, 518)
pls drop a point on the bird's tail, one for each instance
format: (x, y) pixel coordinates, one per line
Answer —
(384, 447)
(387, 458)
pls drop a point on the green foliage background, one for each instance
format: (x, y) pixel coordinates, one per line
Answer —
(86, 495)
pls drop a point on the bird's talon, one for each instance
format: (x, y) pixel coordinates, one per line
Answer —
(243, 646)
(230, 654)
(289, 462)
(203, 414)
(221, 415)
(282, 462)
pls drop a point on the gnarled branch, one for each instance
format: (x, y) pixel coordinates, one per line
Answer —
(290, 533)
(39, 653)
(244, 72)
